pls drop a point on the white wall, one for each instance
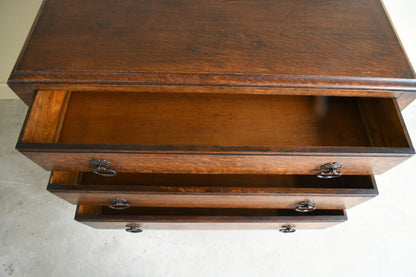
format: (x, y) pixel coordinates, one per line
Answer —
(16, 17)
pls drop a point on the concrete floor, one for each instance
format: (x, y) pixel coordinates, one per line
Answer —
(38, 236)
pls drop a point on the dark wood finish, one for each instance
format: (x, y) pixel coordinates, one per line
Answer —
(213, 190)
(382, 128)
(362, 163)
(29, 88)
(26, 90)
(208, 89)
(206, 133)
(205, 218)
(331, 44)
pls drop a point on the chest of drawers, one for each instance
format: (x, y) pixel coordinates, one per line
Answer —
(213, 114)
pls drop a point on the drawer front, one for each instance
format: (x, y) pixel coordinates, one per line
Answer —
(213, 190)
(211, 164)
(198, 133)
(205, 218)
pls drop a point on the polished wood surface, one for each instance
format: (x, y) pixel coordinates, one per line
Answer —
(206, 133)
(205, 218)
(213, 190)
(130, 161)
(249, 121)
(216, 121)
(324, 44)
(215, 114)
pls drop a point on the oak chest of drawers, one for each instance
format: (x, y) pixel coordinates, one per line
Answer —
(178, 114)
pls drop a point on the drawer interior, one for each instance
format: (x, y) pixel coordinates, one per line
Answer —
(169, 121)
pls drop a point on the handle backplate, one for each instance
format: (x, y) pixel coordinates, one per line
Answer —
(133, 228)
(118, 204)
(102, 167)
(330, 170)
(287, 229)
(305, 206)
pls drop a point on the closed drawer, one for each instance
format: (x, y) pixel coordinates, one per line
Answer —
(213, 190)
(205, 218)
(213, 133)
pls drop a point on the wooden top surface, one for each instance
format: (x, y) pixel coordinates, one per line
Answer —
(265, 43)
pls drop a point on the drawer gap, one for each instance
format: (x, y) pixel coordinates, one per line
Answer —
(212, 180)
(213, 212)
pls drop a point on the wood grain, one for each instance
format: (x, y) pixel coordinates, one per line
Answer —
(204, 119)
(268, 43)
(26, 90)
(45, 118)
(383, 128)
(308, 163)
(215, 114)
(201, 133)
(213, 191)
(204, 218)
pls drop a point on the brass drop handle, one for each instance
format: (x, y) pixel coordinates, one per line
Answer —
(287, 229)
(133, 228)
(330, 170)
(102, 168)
(305, 206)
(118, 204)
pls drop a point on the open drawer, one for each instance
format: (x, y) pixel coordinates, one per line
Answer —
(303, 193)
(137, 219)
(212, 133)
